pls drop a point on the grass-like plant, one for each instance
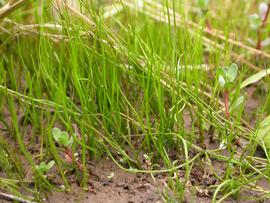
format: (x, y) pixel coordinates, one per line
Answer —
(129, 79)
(263, 135)
(203, 9)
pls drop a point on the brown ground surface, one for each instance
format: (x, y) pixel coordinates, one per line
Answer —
(122, 188)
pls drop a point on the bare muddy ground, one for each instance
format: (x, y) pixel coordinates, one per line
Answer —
(123, 187)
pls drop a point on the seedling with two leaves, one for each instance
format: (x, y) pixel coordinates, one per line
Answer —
(64, 140)
(62, 137)
(226, 77)
(43, 168)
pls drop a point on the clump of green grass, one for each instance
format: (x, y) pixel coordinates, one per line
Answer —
(131, 84)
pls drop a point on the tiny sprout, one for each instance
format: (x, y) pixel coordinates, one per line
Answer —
(226, 77)
(202, 3)
(62, 137)
(255, 21)
(44, 168)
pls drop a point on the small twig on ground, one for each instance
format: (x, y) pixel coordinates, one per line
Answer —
(76, 12)
(11, 7)
(10, 197)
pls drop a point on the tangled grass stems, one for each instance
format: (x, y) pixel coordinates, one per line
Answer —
(120, 88)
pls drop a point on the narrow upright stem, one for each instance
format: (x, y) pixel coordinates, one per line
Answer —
(226, 102)
(208, 24)
(259, 43)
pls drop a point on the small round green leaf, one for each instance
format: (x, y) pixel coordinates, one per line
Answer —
(56, 132)
(255, 21)
(202, 3)
(43, 167)
(232, 72)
